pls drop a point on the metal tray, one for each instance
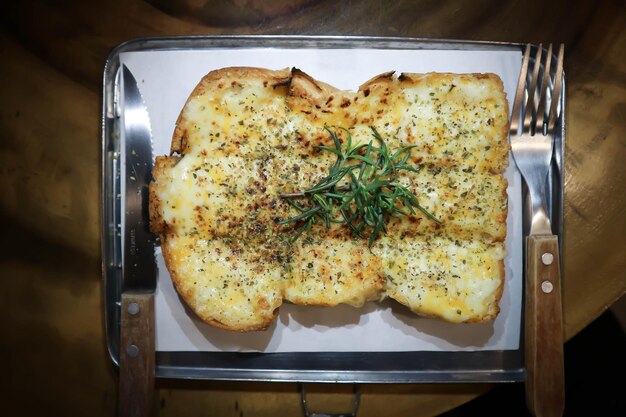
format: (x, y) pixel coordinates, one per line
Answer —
(348, 367)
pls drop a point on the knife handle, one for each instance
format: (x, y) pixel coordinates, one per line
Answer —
(136, 384)
(545, 390)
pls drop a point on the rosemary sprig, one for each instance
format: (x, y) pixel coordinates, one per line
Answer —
(362, 186)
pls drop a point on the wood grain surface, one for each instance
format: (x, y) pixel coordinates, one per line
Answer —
(137, 355)
(543, 322)
(53, 52)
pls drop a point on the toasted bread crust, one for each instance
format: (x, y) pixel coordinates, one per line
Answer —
(304, 86)
(161, 166)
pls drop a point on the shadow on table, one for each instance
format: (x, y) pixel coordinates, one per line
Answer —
(595, 365)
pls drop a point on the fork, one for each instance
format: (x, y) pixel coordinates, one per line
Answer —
(532, 139)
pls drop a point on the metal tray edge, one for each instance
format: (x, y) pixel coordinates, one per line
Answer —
(110, 270)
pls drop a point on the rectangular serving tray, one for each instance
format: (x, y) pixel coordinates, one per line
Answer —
(347, 367)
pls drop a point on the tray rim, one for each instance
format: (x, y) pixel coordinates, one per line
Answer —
(279, 367)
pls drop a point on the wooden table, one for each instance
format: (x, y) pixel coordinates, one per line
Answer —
(53, 342)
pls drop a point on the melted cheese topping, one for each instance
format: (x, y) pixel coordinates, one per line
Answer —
(437, 276)
(225, 282)
(332, 270)
(244, 141)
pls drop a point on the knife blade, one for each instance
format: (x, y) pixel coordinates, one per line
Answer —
(137, 354)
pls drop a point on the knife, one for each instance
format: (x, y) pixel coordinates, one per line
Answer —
(137, 355)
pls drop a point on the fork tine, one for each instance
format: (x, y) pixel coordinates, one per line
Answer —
(545, 84)
(556, 93)
(519, 93)
(530, 105)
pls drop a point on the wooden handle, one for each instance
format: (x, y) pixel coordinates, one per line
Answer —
(136, 355)
(545, 391)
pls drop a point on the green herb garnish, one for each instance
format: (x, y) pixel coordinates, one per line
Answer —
(361, 190)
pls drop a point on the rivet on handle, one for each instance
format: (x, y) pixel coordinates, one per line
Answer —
(547, 258)
(132, 351)
(133, 308)
(547, 287)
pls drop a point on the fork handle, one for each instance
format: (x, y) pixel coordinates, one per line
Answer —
(545, 390)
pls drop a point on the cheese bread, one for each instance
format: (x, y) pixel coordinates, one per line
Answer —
(248, 137)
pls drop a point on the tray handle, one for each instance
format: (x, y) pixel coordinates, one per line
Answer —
(308, 413)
